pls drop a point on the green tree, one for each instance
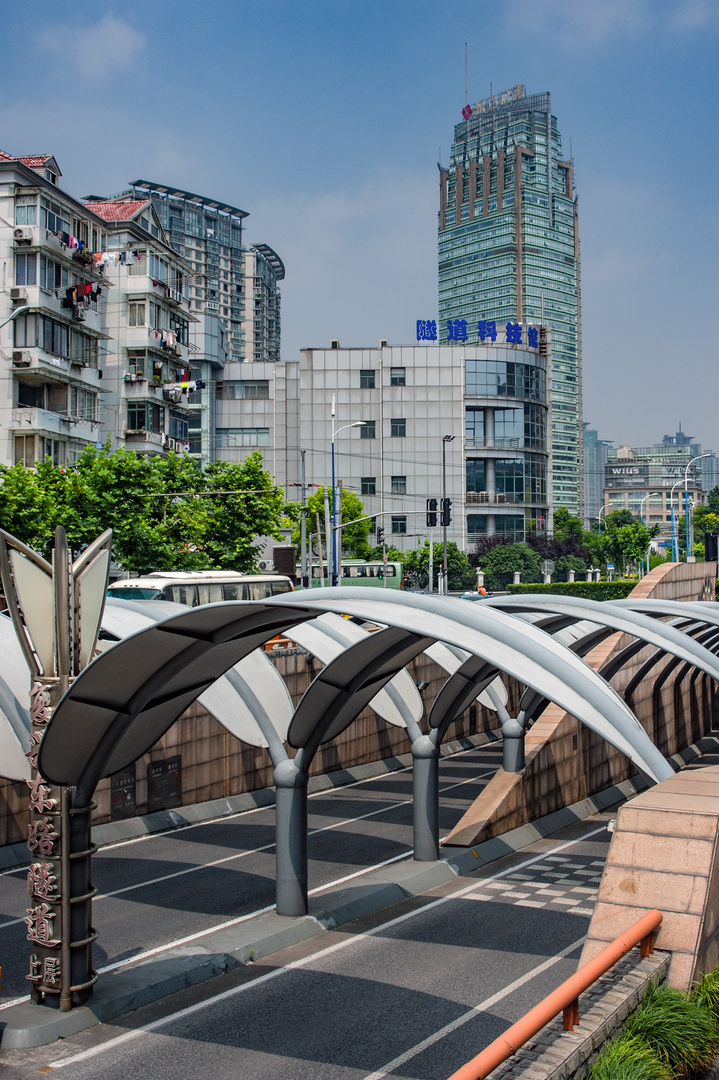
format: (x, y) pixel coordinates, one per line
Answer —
(355, 544)
(460, 574)
(713, 500)
(237, 520)
(501, 562)
(567, 527)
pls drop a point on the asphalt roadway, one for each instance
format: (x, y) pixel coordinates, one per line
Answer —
(158, 891)
(411, 992)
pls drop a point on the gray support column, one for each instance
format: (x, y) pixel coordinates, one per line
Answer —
(425, 798)
(488, 427)
(513, 746)
(291, 839)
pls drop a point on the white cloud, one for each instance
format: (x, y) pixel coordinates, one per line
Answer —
(360, 265)
(93, 51)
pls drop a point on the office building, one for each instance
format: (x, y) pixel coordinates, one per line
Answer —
(491, 399)
(642, 478)
(509, 252)
(594, 451)
(52, 336)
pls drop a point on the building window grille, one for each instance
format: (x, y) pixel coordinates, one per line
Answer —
(239, 437)
(368, 485)
(367, 380)
(398, 428)
(399, 526)
(367, 431)
(399, 485)
(398, 376)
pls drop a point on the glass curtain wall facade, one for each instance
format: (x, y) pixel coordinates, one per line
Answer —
(509, 251)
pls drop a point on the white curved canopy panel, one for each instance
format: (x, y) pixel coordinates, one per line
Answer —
(327, 638)
(450, 659)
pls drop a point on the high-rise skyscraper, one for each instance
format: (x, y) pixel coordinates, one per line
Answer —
(509, 252)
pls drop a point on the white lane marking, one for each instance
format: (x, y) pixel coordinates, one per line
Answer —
(328, 792)
(254, 851)
(471, 1013)
(111, 1044)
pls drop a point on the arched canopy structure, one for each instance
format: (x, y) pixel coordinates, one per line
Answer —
(125, 700)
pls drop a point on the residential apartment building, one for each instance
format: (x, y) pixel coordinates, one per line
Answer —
(258, 407)
(147, 375)
(492, 401)
(509, 251)
(52, 335)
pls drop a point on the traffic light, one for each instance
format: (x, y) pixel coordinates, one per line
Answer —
(431, 513)
(710, 547)
(380, 536)
(446, 512)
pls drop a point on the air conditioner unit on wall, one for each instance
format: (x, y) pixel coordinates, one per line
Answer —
(79, 313)
(22, 236)
(21, 358)
(17, 294)
(265, 565)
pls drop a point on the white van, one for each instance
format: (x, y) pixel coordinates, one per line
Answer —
(196, 587)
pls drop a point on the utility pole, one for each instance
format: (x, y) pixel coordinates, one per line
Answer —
(303, 526)
(328, 541)
(445, 509)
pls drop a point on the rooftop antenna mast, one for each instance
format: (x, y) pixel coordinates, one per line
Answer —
(466, 91)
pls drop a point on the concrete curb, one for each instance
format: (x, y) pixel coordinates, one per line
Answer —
(113, 832)
(132, 987)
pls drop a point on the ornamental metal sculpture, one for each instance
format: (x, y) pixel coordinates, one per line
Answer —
(56, 610)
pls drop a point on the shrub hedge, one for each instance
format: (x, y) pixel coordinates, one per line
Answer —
(589, 590)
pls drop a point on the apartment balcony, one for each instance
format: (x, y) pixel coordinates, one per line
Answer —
(36, 365)
(138, 386)
(86, 314)
(31, 421)
(145, 442)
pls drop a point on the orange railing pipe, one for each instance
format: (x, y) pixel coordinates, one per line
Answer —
(563, 999)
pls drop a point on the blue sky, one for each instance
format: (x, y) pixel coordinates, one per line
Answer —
(324, 120)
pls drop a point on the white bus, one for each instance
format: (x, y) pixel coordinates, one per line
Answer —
(196, 587)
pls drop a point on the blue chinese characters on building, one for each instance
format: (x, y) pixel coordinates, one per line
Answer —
(426, 330)
(457, 330)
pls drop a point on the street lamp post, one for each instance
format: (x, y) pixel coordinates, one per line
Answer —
(335, 432)
(445, 439)
(690, 526)
(641, 515)
(675, 524)
(605, 507)
(18, 311)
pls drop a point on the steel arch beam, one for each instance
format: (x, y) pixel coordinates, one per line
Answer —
(624, 619)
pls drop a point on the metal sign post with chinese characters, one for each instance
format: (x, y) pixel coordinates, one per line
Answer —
(56, 610)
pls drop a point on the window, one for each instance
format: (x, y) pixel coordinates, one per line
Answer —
(52, 336)
(179, 428)
(373, 525)
(399, 526)
(30, 396)
(83, 403)
(474, 426)
(158, 267)
(367, 380)
(236, 437)
(368, 485)
(476, 479)
(397, 376)
(476, 524)
(54, 217)
(242, 390)
(398, 428)
(136, 314)
(138, 267)
(26, 269)
(367, 430)
(54, 450)
(399, 485)
(25, 450)
(145, 416)
(26, 210)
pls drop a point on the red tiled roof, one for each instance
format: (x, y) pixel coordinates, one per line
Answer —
(116, 211)
(34, 161)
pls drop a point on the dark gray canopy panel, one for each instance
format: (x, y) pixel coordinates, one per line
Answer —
(127, 698)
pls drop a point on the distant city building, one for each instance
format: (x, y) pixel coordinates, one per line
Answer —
(641, 478)
(509, 252)
(52, 334)
(491, 398)
(595, 452)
